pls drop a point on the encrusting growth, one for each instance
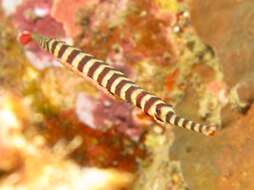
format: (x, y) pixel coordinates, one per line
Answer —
(115, 82)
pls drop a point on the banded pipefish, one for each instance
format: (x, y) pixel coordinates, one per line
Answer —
(115, 82)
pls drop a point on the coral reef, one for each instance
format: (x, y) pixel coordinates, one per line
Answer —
(59, 131)
(228, 27)
(224, 162)
(35, 16)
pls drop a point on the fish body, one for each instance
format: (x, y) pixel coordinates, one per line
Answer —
(115, 82)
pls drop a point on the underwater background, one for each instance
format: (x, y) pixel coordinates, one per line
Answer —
(58, 131)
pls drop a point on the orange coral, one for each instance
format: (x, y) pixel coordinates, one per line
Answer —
(170, 80)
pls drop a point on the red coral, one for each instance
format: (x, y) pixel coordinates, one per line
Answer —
(139, 31)
(102, 149)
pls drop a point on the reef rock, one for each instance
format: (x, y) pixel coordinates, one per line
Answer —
(227, 25)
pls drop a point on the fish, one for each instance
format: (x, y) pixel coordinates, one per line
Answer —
(115, 82)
